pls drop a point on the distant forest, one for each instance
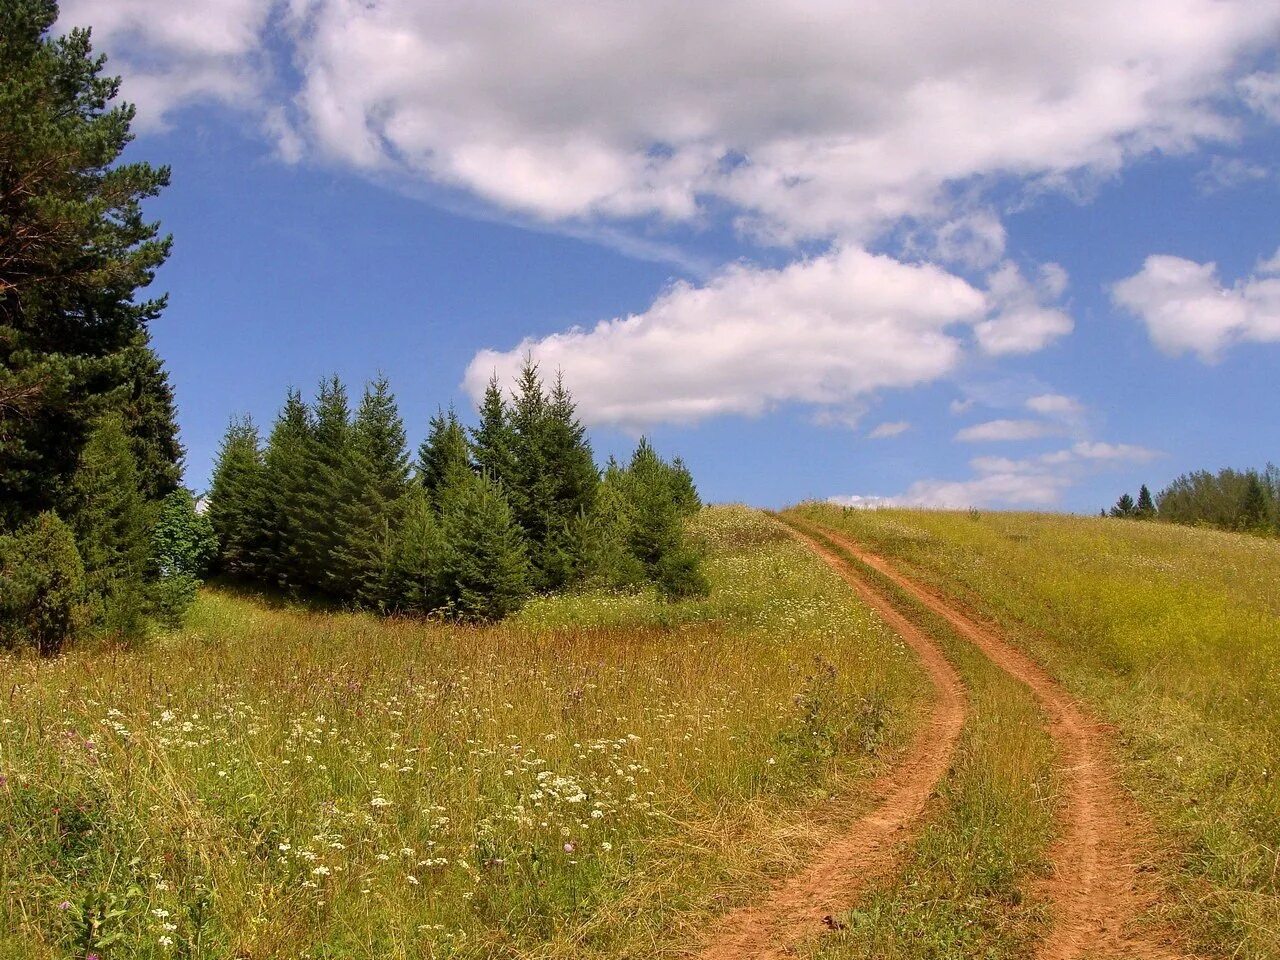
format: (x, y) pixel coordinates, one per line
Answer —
(332, 506)
(1242, 500)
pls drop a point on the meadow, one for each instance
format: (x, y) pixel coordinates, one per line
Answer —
(598, 775)
(1171, 635)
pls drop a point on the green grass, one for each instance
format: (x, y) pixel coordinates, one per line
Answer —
(968, 884)
(594, 777)
(1173, 636)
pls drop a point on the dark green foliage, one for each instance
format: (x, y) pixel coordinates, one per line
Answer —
(74, 252)
(329, 507)
(552, 475)
(280, 509)
(414, 558)
(657, 535)
(445, 456)
(1124, 507)
(373, 484)
(1146, 507)
(42, 586)
(493, 440)
(1246, 500)
(235, 497)
(183, 544)
(1254, 509)
(112, 524)
(486, 562)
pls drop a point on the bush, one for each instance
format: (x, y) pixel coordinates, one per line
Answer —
(183, 544)
(42, 586)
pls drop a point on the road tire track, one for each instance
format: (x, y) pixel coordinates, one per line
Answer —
(1097, 889)
(870, 848)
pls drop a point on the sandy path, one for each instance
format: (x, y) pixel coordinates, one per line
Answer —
(870, 847)
(1096, 888)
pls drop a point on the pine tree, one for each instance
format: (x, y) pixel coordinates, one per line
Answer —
(414, 559)
(493, 440)
(657, 537)
(112, 524)
(445, 456)
(375, 480)
(1146, 506)
(280, 508)
(529, 489)
(42, 586)
(320, 517)
(1253, 504)
(235, 509)
(487, 567)
(1124, 507)
(570, 489)
(75, 251)
(606, 558)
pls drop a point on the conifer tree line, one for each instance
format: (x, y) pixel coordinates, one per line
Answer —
(331, 504)
(96, 536)
(1243, 500)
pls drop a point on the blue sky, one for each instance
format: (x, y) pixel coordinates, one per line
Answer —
(1033, 264)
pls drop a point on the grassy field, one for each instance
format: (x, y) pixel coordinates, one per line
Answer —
(1170, 634)
(594, 777)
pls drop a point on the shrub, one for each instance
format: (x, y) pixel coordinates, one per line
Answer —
(42, 586)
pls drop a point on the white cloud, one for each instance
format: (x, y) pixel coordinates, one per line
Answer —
(172, 53)
(826, 119)
(1006, 430)
(1225, 173)
(1261, 91)
(1055, 405)
(1187, 309)
(1034, 482)
(1023, 322)
(890, 429)
(827, 331)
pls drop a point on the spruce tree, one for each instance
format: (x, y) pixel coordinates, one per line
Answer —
(444, 456)
(235, 509)
(683, 489)
(281, 510)
(1145, 508)
(493, 440)
(605, 557)
(415, 558)
(112, 523)
(1253, 513)
(529, 489)
(486, 567)
(657, 537)
(375, 480)
(1124, 506)
(320, 519)
(74, 252)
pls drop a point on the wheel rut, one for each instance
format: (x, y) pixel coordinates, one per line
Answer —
(1098, 888)
(870, 847)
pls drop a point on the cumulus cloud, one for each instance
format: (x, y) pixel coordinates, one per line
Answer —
(1055, 405)
(1024, 319)
(1006, 430)
(1186, 308)
(825, 119)
(826, 331)
(890, 429)
(174, 53)
(1032, 482)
